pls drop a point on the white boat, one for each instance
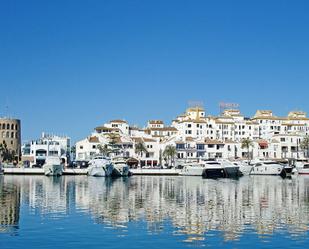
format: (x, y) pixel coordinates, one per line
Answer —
(231, 169)
(268, 168)
(192, 169)
(100, 166)
(121, 168)
(214, 169)
(304, 170)
(53, 166)
(299, 165)
(244, 167)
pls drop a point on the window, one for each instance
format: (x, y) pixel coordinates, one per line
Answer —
(189, 125)
(12, 127)
(93, 146)
(12, 134)
(81, 147)
(200, 146)
(180, 146)
(8, 126)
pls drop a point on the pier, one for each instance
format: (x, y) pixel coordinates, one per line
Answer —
(40, 171)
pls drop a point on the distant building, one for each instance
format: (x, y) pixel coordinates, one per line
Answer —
(36, 151)
(10, 133)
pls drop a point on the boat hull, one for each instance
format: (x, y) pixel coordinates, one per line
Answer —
(245, 169)
(233, 172)
(303, 171)
(100, 171)
(53, 170)
(192, 171)
(121, 170)
(214, 173)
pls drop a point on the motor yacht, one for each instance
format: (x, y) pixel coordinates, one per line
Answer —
(100, 166)
(268, 168)
(53, 166)
(121, 168)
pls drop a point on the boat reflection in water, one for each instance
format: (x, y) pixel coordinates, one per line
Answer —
(193, 207)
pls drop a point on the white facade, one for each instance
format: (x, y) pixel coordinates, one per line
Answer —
(196, 135)
(36, 151)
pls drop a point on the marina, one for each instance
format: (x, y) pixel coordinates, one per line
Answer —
(154, 124)
(183, 212)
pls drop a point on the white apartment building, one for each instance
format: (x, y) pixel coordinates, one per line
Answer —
(196, 135)
(35, 152)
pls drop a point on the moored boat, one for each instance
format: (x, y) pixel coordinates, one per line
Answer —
(192, 169)
(53, 166)
(121, 168)
(231, 169)
(268, 168)
(214, 169)
(304, 170)
(100, 166)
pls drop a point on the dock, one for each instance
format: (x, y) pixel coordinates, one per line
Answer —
(156, 172)
(67, 171)
(40, 171)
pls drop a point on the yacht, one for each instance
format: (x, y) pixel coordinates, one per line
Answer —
(288, 166)
(100, 166)
(304, 170)
(214, 169)
(121, 168)
(268, 168)
(53, 166)
(231, 169)
(192, 169)
(299, 165)
(244, 167)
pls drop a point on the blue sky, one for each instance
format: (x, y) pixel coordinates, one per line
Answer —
(69, 66)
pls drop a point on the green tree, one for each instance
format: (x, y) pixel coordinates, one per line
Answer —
(104, 149)
(140, 149)
(246, 143)
(304, 145)
(113, 140)
(7, 154)
(170, 153)
(73, 152)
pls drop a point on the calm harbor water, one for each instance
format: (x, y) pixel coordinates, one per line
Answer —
(153, 212)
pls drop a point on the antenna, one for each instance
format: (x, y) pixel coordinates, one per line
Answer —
(195, 103)
(223, 106)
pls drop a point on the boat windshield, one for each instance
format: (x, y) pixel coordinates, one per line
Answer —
(268, 163)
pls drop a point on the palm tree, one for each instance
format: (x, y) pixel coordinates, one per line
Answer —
(140, 148)
(246, 144)
(113, 139)
(304, 144)
(73, 152)
(6, 154)
(104, 150)
(170, 153)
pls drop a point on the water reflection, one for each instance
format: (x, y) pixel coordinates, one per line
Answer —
(9, 206)
(195, 207)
